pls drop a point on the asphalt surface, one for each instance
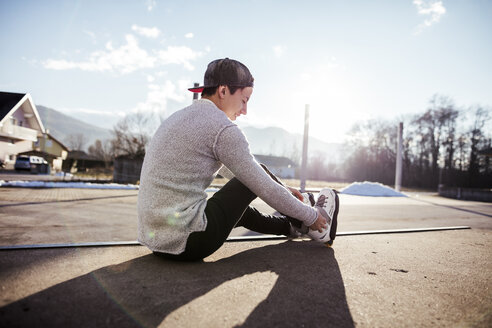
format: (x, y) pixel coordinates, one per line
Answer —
(422, 279)
(58, 215)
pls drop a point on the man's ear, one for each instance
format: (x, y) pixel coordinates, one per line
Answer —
(222, 89)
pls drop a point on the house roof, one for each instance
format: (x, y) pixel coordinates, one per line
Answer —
(8, 100)
(269, 160)
(11, 102)
(50, 136)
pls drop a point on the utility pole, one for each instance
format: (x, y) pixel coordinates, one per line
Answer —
(399, 158)
(195, 94)
(305, 149)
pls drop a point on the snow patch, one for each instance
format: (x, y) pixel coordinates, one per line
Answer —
(81, 185)
(373, 189)
(48, 184)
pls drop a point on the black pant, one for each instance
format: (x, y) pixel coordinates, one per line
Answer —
(226, 209)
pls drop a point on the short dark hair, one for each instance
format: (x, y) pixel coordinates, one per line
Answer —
(210, 91)
(228, 72)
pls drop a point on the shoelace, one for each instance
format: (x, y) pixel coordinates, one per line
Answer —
(321, 201)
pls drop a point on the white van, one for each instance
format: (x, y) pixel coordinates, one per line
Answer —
(33, 164)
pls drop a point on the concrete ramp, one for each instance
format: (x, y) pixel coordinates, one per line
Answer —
(398, 280)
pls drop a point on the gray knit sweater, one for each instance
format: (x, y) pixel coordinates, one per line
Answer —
(181, 161)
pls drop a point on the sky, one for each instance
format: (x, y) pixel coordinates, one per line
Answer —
(349, 60)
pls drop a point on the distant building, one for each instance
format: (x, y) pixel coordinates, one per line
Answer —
(20, 126)
(80, 161)
(50, 149)
(282, 167)
(127, 169)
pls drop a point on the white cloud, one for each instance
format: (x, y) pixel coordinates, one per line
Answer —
(125, 59)
(279, 50)
(128, 58)
(178, 55)
(151, 4)
(149, 32)
(158, 96)
(189, 35)
(433, 10)
(156, 104)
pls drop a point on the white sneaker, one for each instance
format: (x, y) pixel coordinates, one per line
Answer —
(308, 198)
(328, 205)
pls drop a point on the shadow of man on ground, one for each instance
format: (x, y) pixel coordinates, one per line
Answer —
(146, 291)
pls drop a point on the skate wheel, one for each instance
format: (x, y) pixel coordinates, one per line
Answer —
(329, 243)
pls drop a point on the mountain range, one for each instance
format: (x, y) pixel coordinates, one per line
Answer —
(62, 126)
(280, 142)
(266, 141)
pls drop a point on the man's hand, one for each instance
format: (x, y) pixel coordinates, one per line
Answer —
(320, 224)
(296, 193)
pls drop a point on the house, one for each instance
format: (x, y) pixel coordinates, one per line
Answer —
(80, 161)
(20, 126)
(280, 166)
(52, 150)
(127, 169)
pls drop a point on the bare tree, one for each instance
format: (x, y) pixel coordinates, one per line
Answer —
(440, 115)
(448, 117)
(462, 152)
(76, 141)
(421, 145)
(477, 136)
(434, 142)
(102, 150)
(132, 134)
(487, 164)
(373, 157)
